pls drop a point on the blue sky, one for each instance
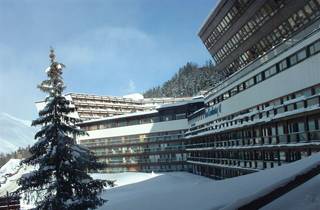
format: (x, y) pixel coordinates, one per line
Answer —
(110, 47)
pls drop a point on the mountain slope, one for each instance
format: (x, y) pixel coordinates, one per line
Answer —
(188, 81)
(14, 133)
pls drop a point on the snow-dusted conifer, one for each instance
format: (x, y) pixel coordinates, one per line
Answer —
(61, 181)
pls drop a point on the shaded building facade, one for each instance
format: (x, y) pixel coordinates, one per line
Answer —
(143, 141)
(266, 112)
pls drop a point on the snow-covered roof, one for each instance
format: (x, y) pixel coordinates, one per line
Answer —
(134, 96)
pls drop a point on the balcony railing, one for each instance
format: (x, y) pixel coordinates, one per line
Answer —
(292, 138)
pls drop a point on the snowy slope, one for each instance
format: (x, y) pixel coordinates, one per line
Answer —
(14, 133)
(9, 173)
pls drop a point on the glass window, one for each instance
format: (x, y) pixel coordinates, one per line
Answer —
(283, 65)
(180, 116)
(290, 107)
(259, 77)
(317, 90)
(307, 92)
(312, 124)
(280, 110)
(313, 102)
(293, 127)
(226, 95)
(300, 105)
(293, 59)
(241, 87)
(301, 55)
(301, 126)
(234, 91)
(271, 71)
(308, 10)
(249, 83)
(314, 48)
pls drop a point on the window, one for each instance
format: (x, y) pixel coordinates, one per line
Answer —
(283, 65)
(180, 116)
(307, 93)
(234, 91)
(312, 125)
(280, 110)
(313, 102)
(314, 48)
(317, 90)
(293, 59)
(290, 107)
(226, 95)
(301, 55)
(270, 72)
(300, 105)
(249, 83)
(259, 78)
(241, 87)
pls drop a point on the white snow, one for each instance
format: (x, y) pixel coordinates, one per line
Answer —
(305, 197)
(134, 96)
(10, 173)
(10, 167)
(186, 191)
(14, 133)
(47, 69)
(125, 178)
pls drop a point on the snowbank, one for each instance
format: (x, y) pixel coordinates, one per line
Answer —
(125, 178)
(184, 191)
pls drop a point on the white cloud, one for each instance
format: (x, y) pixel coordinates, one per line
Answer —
(131, 87)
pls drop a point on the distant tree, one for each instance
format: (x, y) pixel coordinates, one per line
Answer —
(188, 81)
(61, 181)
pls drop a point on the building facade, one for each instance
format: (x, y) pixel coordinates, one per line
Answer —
(91, 106)
(239, 31)
(266, 112)
(143, 141)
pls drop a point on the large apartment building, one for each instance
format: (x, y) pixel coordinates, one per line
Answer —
(266, 112)
(143, 141)
(90, 106)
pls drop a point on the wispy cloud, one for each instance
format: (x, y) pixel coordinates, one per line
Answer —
(131, 87)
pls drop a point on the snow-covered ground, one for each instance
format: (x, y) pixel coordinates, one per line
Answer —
(15, 133)
(9, 173)
(125, 178)
(185, 191)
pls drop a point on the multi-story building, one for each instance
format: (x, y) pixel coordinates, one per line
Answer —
(89, 106)
(94, 107)
(266, 112)
(143, 141)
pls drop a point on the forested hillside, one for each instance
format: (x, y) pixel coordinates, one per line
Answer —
(188, 81)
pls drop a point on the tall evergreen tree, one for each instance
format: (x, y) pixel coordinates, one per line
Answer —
(60, 181)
